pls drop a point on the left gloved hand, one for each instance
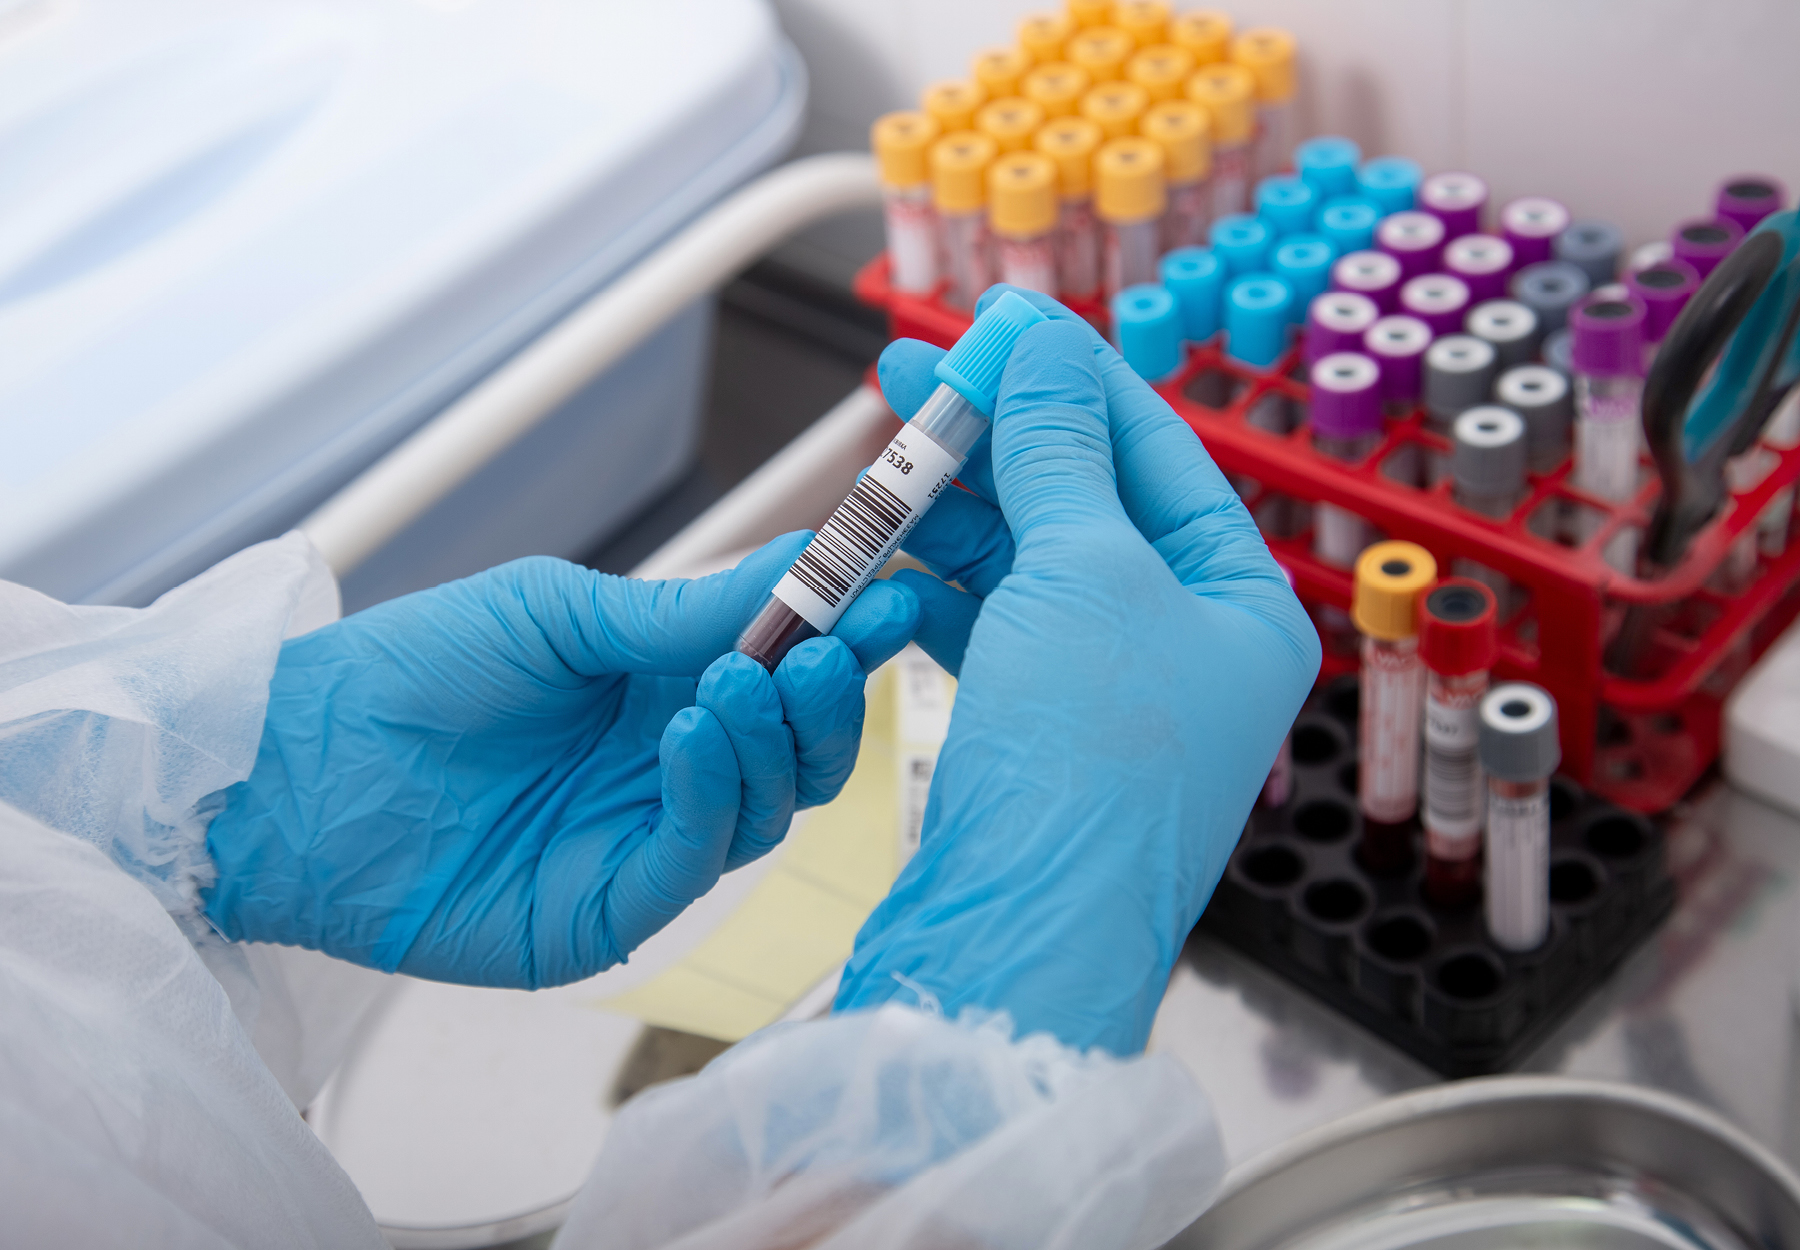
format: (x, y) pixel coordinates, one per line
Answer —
(514, 779)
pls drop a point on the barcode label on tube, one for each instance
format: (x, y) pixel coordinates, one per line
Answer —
(867, 528)
(1454, 786)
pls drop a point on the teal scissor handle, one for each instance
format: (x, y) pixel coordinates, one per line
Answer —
(1745, 317)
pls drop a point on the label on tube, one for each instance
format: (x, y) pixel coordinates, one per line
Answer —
(1518, 866)
(912, 245)
(1453, 782)
(867, 528)
(1393, 689)
(926, 693)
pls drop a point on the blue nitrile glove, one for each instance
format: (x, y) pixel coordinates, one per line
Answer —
(1130, 659)
(515, 779)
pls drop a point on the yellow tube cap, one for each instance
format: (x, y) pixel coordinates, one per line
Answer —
(952, 104)
(1204, 32)
(958, 163)
(1128, 180)
(1056, 88)
(1389, 577)
(1042, 35)
(1146, 21)
(998, 71)
(1085, 13)
(1010, 123)
(1268, 53)
(1102, 51)
(1071, 142)
(1022, 195)
(1115, 107)
(901, 141)
(1182, 129)
(1228, 94)
(1161, 69)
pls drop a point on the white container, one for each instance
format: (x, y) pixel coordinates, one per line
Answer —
(247, 248)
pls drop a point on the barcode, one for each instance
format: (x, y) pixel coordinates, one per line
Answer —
(1452, 785)
(851, 540)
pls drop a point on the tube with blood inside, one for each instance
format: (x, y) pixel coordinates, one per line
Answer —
(1519, 751)
(1458, 644)
(902, 142)
(1384, 607)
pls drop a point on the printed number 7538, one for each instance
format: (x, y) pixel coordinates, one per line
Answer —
(899, 461)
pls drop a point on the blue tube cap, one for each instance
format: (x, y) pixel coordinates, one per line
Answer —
(1304, 263)
(1147, 320)
(973, 367)
(1256, 319)
(1196, 277)
(1242, 242)
(1391, 181)
(1349, 222)
(1287, 203)
(1328, 163)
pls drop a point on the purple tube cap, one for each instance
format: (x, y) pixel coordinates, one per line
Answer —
(1346, 396)
(1665, 288)
(1705, 241)
(1607, 335)
(1747, 198)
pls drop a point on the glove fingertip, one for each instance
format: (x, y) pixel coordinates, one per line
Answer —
(880, 622)
(905, 372)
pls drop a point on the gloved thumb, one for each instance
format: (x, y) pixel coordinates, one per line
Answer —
(1053, 466)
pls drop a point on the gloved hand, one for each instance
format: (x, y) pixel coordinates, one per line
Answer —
(1130, 658)
(514, 779)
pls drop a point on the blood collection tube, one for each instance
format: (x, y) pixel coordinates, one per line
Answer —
(1508, 327)
(1009, 123)
(1391, 181)
(1206, 33)
(1541, 396)
(1398, 345)
(1336, 322)
(1100, 50)
(1594, 247)
(1303, 261)
(1519, 750)
(1608, 357)
(1530, 224)
(1482, 261)
(1056, 87)
(1196, 278)
(1488, 464)
(1115, 107)
(1440, 300)
(1346, 425)
(1146, 21)
(1549, 288)
(1268, 53)
(1373, 274)
(1458, 622)
(952, 104)
(1665, 288)
(1256, 310)
(1349, 222)
(1559, 352)
(1328, 163)
(1147, 323)
(1746, 199)
(902, 143)
(1278, 787)
(1243, 242)
(1228, 93)
(1414, 239)
(917, 467)
(959, 191)
(1042, 36)
(1703, 244)
(1088, 13)
(1022, 219)
(1071, 142)
(1384, 608)
(1287, 203)
(1129, 200)
(998, 71)
(1459, 375)
(1161, 70)
(1180, 126)
(1457, 200)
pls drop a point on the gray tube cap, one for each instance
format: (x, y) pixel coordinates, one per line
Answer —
(1489, 458)
(1509, 327)
(1459, 373)
(1518, 733)
(1549, 288)
(1593, 247)
(1559, 352)
(1541, 395)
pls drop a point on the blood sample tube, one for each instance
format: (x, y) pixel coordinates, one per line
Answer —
(1349, 222)
(1608, 357)
(1181, 127)
(1665, 288)
(1303, 261)
(1391, 181)
(1398, 345)
(1559, 352)
(1256, 311)
(1530, 224)
(1594, 247)
(1328, 163)
(1488, 463)
(1746, 199)
(1228, 92)
(1482, 261)
(1374, 274)
(1336, 322)
(1022, 218)
(1146, 21)
(1346, 425)
(1147, 323)
(999, 70)
(1384, 608)
(1459, 375)
(1414, 239)
(1205, 33)
(902, 143)
(1268, 53)
(1541, 396)
(1071, 142)
(1056, 87)
(1456, 199)
(1519, 750)
(1549, 288)
(1115, 107)
(1129, 200)
(1161, 70)
(1043, 36)
(1287, 203)
(1440, 300)
(952, 104)
(1196, 278)
(1457, 641)
(1100, 50)
(1278, 787)
(1703, 244)
(958, 191)
(917, 467)
(1087, 13)
(1508, 327)
(1243, 242)
(1010, 123)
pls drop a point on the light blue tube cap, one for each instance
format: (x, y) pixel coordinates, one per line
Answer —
(1328, 163)
(1256, 319)
(1349, 222)
(1147, 321)
(1196, 277)
(1242, 242)
(1391, 181)
(973, 367)
(1303, 261)
(1287, 203)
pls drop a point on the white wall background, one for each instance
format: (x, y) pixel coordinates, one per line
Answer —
(1631, 110)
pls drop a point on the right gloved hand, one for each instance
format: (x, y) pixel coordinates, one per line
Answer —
(1130, 658)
